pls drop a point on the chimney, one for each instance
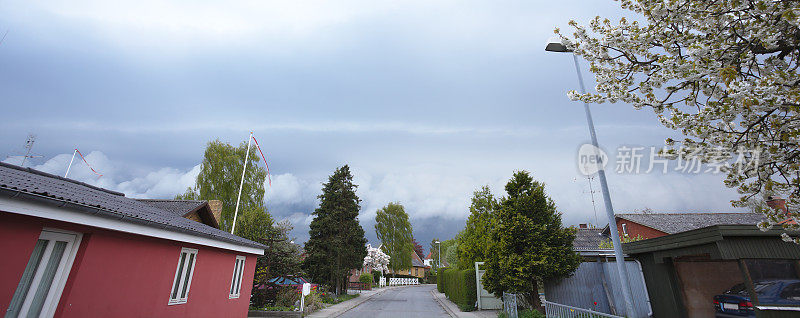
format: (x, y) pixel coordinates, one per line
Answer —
(583, 226)
(777, 203)
(216, 209)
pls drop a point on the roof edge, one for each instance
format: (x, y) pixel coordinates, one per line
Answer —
(45, 174)
(60, 203)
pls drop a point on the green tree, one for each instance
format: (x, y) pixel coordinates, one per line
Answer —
(530, 245)
(473, 245)
(281, 256)
(394, 231)
(337, 243)
(220, 174)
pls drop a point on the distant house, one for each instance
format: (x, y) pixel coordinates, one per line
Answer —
(417, 267)
(652, 225)
(430, 261)
(74, 250)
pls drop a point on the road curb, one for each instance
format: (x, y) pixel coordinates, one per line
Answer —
(444, 306)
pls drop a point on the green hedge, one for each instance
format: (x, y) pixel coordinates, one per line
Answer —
(459, 286)
(440, 279)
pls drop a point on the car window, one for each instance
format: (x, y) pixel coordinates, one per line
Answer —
(741, 289)
(762, 287)
(791, 292)
(738, 289)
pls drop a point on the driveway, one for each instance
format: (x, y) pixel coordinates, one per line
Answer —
(413, 301)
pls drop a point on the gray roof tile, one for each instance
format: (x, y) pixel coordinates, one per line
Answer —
(178, 207)
(672, 223)
(14, 178)
(588, 239)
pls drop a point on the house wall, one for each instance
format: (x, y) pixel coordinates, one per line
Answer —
(413, 271)
(635, 229)
(117, 274)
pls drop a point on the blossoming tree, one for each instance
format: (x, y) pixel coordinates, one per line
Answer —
(722, 72)
(376, 259)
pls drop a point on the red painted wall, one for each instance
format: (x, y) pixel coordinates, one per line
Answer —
(124, 275)
(635, 229)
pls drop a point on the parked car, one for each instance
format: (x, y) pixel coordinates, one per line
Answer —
(736, 301)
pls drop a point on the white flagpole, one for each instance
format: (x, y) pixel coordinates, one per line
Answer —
(244, 169)
(70, 162)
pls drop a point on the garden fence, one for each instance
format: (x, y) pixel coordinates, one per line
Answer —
(563, 311)
(394, 281)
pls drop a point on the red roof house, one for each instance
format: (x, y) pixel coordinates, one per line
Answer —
(74, 250)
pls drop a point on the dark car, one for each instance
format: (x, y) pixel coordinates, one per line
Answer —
(736, 302)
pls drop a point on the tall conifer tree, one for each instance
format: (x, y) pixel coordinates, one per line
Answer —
(337, 243)
(529, 243)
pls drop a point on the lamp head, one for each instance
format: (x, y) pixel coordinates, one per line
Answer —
(554, 44)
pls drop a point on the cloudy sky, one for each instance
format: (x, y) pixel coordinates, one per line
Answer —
(425, 100)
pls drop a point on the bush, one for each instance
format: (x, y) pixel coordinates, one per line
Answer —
(312, 302)
(460, 288)
(376, 276)
(431, 279)
(440, 280)
(529, 313)
(366, 278)
(287, 297)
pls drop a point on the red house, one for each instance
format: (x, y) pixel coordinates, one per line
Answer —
(652, 225)
(75, 250)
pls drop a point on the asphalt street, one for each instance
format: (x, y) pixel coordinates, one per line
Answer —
(414, 301)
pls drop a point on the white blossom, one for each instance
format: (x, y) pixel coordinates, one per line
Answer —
(722, 72)
(376, 259)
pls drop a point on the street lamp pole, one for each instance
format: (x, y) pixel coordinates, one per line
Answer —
(612, 224)
(439, 253)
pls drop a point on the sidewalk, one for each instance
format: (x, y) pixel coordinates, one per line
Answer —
(452, 309)
(340, 308)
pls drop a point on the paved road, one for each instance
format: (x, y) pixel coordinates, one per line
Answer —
(414, 301)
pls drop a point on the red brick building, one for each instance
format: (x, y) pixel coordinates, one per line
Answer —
(652, 225)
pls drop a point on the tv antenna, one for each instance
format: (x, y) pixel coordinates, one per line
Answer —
(28, 150)
(591, 192)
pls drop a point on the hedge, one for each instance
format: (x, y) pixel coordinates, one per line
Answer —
(440, 279)
(460, 288)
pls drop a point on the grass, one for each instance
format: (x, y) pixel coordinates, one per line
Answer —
(333, 299)
(273, 308)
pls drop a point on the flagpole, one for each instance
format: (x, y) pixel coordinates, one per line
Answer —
(244, 169)
(70, 162)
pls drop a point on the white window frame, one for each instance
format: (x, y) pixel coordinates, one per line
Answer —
(53, 297)
(624, 229)
(236, 280)
(182, 269)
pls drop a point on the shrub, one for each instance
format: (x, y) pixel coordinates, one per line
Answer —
(312, 302)
(440, 280)
(376, 276)
(365, 278)
(460, 288)
(431, 279)
(287, 297)
(530, 313)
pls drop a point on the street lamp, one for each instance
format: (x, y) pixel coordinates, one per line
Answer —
(438, 253)
(555, 45)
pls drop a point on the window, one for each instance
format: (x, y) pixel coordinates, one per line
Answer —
(624, 229)
(236, 281)
(183, 276)
(39, 289)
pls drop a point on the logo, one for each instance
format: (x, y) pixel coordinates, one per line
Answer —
(591, 159)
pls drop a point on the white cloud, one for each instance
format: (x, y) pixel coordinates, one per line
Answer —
(287, 189)
(161, 183)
